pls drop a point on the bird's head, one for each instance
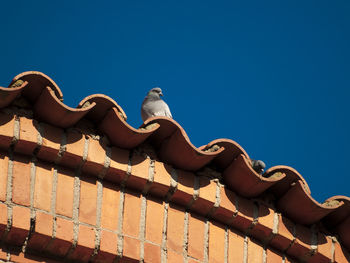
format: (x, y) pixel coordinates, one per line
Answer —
(155, 92)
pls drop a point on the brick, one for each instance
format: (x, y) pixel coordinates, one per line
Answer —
(154, 220)
(3, 218)
(244, 218)
(151, 253)
(26, 258)
(43, 231)
(7, 123)
(132, 211)
(21, 180)
(73, 155)
(174, 257)
(340, 254)
(51, 142)
(263, 229)
(184, 192)
(162, 180)
(110, 206)
(284, 237)
(65, 192)
(216, 243)
(227, 208)
(85, 245)
(139, 172)
(255, 252)
(43, 224)
(273, 256)
(118, 165)
(28, 136)
(64, 237)
(324, 250)
(43, 187)
(175, 231)
(131, 249)
(108, 247)
(95, 159)
(3, 254)
(301, 245)
(20, 225)
(236, 246)
(3, 176)
(196, 226)
(88, 201)
(207, 196)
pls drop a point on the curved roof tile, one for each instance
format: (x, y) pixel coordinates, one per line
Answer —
(103, 105)
(51, 110)
(174, 147)
(240, 177)
(298, 205)
(37, 81)
(340, 214)
(7, 95)
(122, 134)
(282, 186)
(231, 151)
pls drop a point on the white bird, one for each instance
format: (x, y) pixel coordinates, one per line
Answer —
(153, 105)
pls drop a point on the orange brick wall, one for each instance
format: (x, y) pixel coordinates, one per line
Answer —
(65, 195)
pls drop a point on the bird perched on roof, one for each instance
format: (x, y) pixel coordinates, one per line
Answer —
(258, 166)
(153, 105)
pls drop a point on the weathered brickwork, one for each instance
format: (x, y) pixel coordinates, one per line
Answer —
(81, 185)
(63, 207)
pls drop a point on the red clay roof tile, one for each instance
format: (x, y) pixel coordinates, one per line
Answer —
(175, 147)
(298, 205)
(51, 110)
(7, 95)
(241, 177)
(122, 134)
(37, 81)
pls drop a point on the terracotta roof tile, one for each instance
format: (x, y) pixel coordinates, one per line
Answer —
(50, 109)
(241, 177)
(128, 137)
(226, 157)
(298, 205)
(341, 213)
(173, 147)
(103, 105)
(7, 95)
(282, 186)
(37, 81)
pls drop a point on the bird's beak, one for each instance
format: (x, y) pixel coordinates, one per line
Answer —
(161, 94)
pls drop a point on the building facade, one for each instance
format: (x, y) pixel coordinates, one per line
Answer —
(81, 185)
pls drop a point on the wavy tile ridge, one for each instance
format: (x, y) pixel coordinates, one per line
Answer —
(173, 147)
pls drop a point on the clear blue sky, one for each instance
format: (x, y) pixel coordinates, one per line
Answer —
(272, 75)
